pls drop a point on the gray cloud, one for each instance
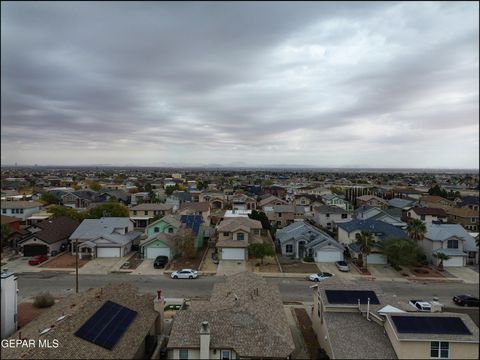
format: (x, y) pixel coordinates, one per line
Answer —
(313, 83)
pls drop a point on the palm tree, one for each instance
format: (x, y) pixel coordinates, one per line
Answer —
(366, 242)
(441, 256)
(416, 229)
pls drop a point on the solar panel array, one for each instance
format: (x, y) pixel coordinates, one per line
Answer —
(430, 325)
(192, 222)
(107, 325)
(351, 296)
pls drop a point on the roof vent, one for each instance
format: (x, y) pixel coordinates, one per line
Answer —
(44, 331)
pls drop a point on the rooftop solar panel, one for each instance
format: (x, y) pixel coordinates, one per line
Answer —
(107, 325)
(430, 325)
(351, 296)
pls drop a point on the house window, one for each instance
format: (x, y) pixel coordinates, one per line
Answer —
(279, 214)
(289, 248)
(473, 220)
(225, 233)
(183, 354)
(170, 230)
(156, 229)
(240, 236)
(4, 211)
(422, 217)
(344, 216)
(225, 355)
(146, 212)
(439, 350)
(452, 244)
(327, 215)
(134, 212)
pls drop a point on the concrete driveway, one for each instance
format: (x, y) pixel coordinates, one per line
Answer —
(21, 265)
(102, 266)
(146, 268)
(230, 267)
(467, 274)
(384, 271)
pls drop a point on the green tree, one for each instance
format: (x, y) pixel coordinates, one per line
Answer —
(416, 229)
(59, 210)
(366, 242)
(262, 217)
(110, 209)
(337, 190)
(94, 185)
(169, 190)
(404, 252)
(260, 250)
(442, 257)
(187, 247)
(5, 233)
(49, 199)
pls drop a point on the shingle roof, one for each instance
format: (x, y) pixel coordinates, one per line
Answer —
(371, 197)
(78, 308)
(19, 204)
(56, 229)
(470, 200)
(400, 203)
(254, 326)
(429, 211)
(93, 228)
(330, 209)
(152, 206)
(442, 232)
(462, 212)
(380, 228)
(9, 219)
(314, 237)
(230, 224)
(167, 239)
(197, 207)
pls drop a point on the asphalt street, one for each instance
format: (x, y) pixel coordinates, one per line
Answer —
(291, 289)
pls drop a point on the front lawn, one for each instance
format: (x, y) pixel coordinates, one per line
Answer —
(185, 263)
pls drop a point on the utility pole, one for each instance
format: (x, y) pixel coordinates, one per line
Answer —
(76, 266)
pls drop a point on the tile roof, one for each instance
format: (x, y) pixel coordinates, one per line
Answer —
(56, 229)
(429, 211)
(231, 224)
(167, 239)
(20, 204)
(380, 228)
(152, 206)
(9, 219)
(462, 212)
(173, 220)
(254, 326)
(434, 199)
(371, 197)
(78, 308)
(196, 207)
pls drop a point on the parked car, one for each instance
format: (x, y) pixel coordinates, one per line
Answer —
(320, 276)
(421, 305)
(38, 259)
(466, 299)
(342, 266)
(160, 262)
(184, 274)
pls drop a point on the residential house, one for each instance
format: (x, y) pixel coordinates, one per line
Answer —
(195, 224)
(178, 198)
(452, 240)
(20, 209)
(470, 202)
(308, 201)
(407, 193)
(11, 222)
(145, 213)
(372, 200)
(139, 197)
(79, 199)
(216, 200)
(466, 217)
(113, 194)
(380, 230)
(39, 216)
(234, 236)
(197, 208)
(328, 216)
(243, 202)
(399, 203)
(283, 215)
(168, 224)
(360, 323)
(366, 212)
(159, 244)
(435, 202)
(9, 304)
(267, 202)
(335, 200)
(302, 239)
(129, 331)
(47, 236)
(107, 237)
(275, 190)
(244, 319)
(425, 214)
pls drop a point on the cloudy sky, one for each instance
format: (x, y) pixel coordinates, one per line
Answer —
(320, 84)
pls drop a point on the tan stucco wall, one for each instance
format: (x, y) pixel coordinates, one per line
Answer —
(195, 354)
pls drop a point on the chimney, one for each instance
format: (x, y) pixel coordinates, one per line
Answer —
(159, 306)
(205, 340)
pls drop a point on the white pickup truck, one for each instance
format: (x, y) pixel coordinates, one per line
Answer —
(421, 305)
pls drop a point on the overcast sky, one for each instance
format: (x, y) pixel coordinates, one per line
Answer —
(321, 84)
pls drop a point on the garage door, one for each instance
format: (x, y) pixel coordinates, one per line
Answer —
(328, 256)
(32, 250)
(233, 254)
(108, 252)
(153, 252)
(376, 259)
(454, 261)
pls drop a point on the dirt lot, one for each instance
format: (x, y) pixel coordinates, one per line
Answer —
(66, 260)
(133, 262)
(301, 268)
(424, 272)
(305, 325)
(26, 312)
(184, 263)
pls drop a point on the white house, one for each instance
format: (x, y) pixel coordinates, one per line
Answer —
(9, 304)
(328, 216)
(20, 209)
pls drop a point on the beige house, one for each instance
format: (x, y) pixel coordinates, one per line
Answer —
(244, 319)
(197, 208)
(267, 203)
(361, 324)
(372, 200)
(435, 202)
(425, 214)
(283, 215)
(234, 236)
(216, 200)
(466, 217)
(143, 214)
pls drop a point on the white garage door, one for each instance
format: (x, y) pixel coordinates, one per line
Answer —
(376, 259)
(233, 254)
(328, 256)
(153, 252)
(454, 261)
(108, 252)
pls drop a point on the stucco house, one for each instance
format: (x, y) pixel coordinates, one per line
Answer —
(366, 212)
(452, 240)
(372, 200)
(197, 208)
(302, 239)
(242, 202)
(20, 209)
(234, 236)
(425, 214)
(268, 201)
(143, 214)
(328, 216)
(168, 224)
(468, 218)
(283, 215)
(160, 244)
(335, 200)
(104, 238)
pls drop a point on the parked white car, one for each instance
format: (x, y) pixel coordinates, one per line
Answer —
(342, 266)
(421, 305)
(320, 276)
(184, 274)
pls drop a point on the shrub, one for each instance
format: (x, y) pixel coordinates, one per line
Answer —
(308, 259)
(43, 300)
